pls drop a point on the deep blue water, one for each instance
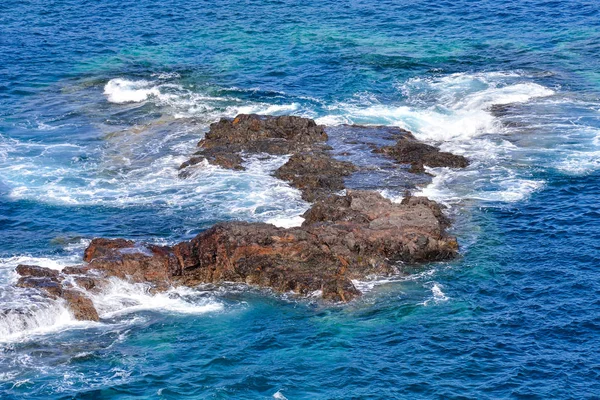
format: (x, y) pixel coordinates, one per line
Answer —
(101, 101)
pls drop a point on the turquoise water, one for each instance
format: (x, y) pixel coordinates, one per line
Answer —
(100, 102)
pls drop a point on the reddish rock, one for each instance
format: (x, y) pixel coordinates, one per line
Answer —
(50, 283)
(36, 271)
(80, 305)
(101, 247)
(49, 286)
(343, 238)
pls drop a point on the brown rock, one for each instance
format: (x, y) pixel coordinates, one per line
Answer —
(101, 247)
(80, 305)
(36, 271)
(49, 286)
(343, 238)
(77, 270)
(254, 134)
(315, 174)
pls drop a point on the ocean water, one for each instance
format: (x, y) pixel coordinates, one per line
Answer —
(100, 102)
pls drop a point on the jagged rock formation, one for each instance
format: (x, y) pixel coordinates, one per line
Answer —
(345, 236)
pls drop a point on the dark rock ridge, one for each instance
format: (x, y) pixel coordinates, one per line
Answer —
(311, 167)
(317, 174)
(408, 150)
(250, 133)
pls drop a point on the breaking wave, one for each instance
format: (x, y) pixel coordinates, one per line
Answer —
(24, 313)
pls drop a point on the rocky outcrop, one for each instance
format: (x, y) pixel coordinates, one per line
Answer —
(227, 139)
(52, 284)
(343, 238)
(311, 168)
(408, 150)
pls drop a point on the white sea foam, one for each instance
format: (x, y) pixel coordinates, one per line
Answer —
(283, 222)
(454, 112)
(184, 102)
(36, 318)
(25, 313)
(121, 297)
(368, 284)
(125, 91)
(441, 109)
(580, 162)
(500, 185)
(150, 177)
(279, 396)
(437, 295)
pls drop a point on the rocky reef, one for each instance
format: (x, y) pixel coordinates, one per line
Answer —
(408, 150)
(311, 169)
(346, 235)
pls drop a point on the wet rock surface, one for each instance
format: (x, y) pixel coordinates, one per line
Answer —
(408, 150)
(227, 139)
(316, 174)
(51, 283)
(343, 238)
(311, 168)
(314, 167)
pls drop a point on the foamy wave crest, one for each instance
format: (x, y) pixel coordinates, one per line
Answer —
(454, 112)
(125, 91)
(580, 163)
(498, 185)
(121, 297)
(34, 319)
(142, 168)
(454, 107)
(26, 313)
(185, 102)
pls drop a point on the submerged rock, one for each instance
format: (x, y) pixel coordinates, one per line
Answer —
(408, 150)
(343, 238)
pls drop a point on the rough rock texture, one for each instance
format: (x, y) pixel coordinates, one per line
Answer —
(343, 238)
(81, 306)
(408, 150)
(315, 174)
(51, 283)
(35, 271)
(310, 168)
(251, 133)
